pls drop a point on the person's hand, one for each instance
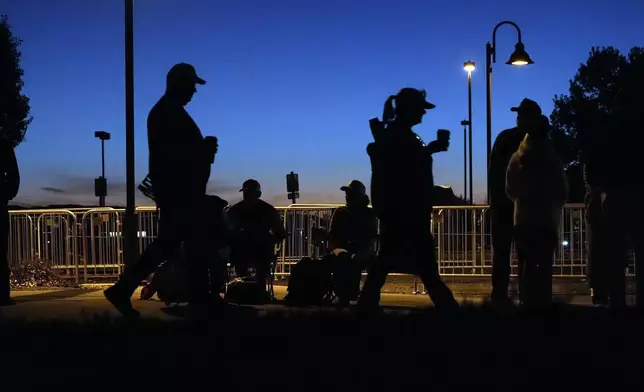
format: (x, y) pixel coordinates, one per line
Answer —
(212, 146)
(438, 146)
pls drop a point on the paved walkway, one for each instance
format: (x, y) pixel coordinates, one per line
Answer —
(89, 302)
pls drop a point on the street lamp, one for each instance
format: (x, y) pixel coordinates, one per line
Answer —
(130, 246)
(519, 58)
(469, 67)
(100, 183)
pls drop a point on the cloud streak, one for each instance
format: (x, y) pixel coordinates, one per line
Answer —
(52, 189)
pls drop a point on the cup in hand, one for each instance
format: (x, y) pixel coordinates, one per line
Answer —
(443, 136)
(212, 146)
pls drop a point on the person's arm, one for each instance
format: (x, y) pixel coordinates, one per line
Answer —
(515, 180)
(560, 187)
(278, 227)
(373, 226)
(231, 215)
(338, 233)
(12, 174)
(497, 170)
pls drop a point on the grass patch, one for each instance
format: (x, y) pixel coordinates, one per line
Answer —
(35, 274)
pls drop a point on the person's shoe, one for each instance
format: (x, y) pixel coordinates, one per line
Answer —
(7, 302)
(341, 303)
(121, 301)
(147, 293)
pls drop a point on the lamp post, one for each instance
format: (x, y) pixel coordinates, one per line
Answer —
(100, 184)
(469, 67)
(464, 123)
(518, 58)
(130, 248)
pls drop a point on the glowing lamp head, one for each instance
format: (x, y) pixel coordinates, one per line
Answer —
(469, 66)
(520, 57)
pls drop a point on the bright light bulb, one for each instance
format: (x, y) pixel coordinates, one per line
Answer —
(520, 63)
(469, 66)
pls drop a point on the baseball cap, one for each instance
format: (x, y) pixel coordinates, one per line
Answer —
(409, 94)
(355, 186)
(183, 72)
(527, 106)
(251, 185)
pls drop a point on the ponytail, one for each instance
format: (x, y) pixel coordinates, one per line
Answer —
(388, 112)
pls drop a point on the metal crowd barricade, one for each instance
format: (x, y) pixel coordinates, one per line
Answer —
(48, 236)
(87, 243)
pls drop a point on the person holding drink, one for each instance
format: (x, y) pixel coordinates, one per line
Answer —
(401, 191)
(180, 163)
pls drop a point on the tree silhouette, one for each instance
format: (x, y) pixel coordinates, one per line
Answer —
(14, 106)
(602, 91)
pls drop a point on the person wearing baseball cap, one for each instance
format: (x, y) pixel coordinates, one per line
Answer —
(183, 74)
(251, 189)
(179, 170)
(256, 227)
(352, 232)
(528, 108)
(501, 208)
(402, 183)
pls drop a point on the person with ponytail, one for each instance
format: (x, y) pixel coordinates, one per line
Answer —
(401, 194)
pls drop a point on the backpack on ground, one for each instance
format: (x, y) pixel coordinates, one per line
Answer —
(311, 282)
(246, 291)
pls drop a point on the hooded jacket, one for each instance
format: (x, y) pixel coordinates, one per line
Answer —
(537, 184)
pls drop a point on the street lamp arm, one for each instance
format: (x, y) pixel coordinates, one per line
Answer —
(493, 47)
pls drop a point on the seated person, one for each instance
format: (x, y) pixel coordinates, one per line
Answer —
(351, 236)
(256, 228)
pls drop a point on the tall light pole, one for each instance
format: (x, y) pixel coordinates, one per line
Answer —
(130, 249)
(464, 123)
(469, 67)
(100, 184)
(518, 58)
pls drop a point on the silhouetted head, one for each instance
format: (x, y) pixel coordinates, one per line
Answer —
(411, 106)
(355, 194)
(528, 113)
(251, 190)
(541, 128)
(181, 81)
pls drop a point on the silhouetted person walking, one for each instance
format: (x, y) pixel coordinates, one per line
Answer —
(353, 230)
(179, 167)
(401, 189)
(537, 184)
(9, 186)
(256, 228)
(501, 208)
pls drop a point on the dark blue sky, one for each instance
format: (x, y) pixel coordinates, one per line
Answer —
(291, 84)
